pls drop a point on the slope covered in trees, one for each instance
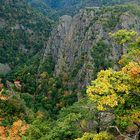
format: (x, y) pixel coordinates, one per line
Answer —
(57, 8)
(110, 110)
(23, 32)
(47, 95)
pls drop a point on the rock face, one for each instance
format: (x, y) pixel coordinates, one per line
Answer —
(79, 44)
(4, 68)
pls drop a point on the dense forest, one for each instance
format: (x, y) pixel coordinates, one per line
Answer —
(56, 8)
(69, 70)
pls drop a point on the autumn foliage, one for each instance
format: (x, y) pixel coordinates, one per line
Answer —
(15, 132)
(119, 91)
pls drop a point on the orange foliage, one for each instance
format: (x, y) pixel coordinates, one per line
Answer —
(132, 69)
(2, 97)
(1, 86)
(18, 129)
(2, 133)
(15, 132)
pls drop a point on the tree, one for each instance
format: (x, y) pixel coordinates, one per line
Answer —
(100, 136)
(119, 91)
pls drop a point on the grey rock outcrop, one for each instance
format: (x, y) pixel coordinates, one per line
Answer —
(71, 43)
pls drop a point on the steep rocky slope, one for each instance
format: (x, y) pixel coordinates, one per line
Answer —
(81, 46)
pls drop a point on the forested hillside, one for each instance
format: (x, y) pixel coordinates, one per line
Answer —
(69, 77)
(56, 8)
(23, 32)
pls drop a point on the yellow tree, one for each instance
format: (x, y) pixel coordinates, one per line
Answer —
(119, 91)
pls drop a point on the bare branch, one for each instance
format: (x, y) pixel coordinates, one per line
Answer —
(122, 134)
(136, 135)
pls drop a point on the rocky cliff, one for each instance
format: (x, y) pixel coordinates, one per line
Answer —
(81, 46)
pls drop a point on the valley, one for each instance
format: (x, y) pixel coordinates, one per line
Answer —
(69, 70)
